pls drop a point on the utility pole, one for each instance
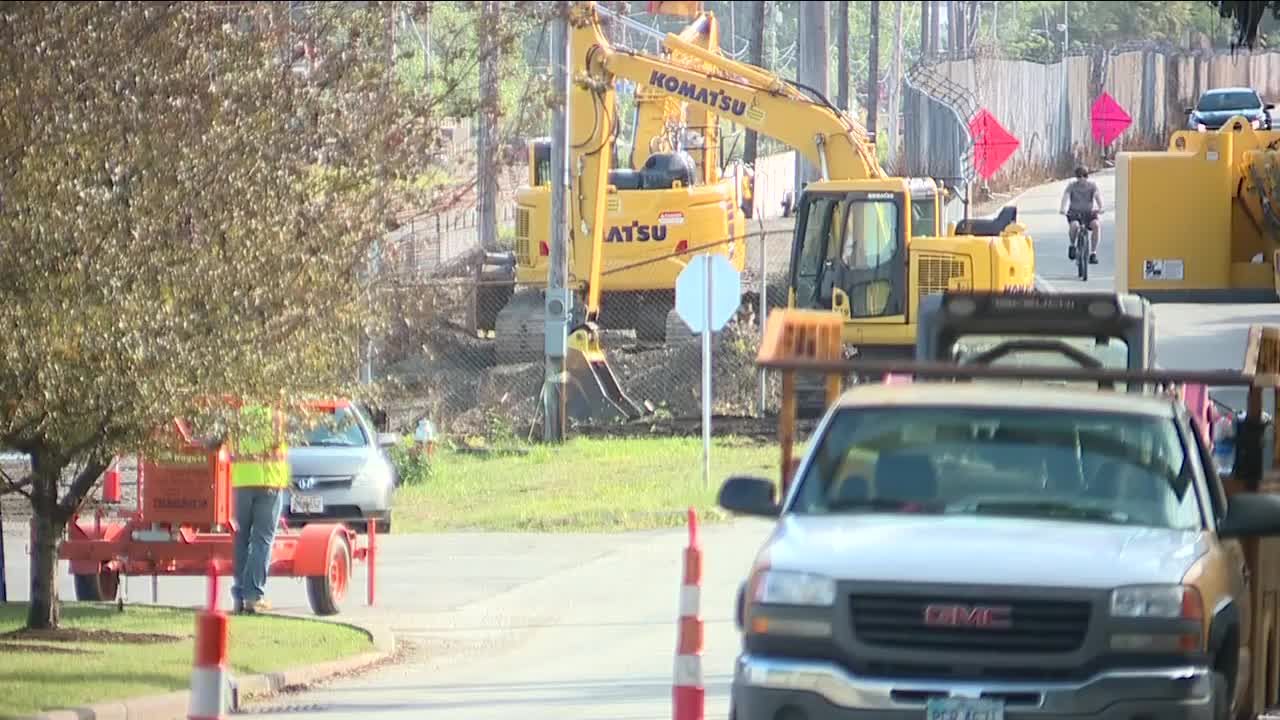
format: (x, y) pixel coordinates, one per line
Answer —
(842, 43)
(873, 73)
(935, 25)
(486, 149)
(760, 10)
(812, 69)
(558, 298)
(926, 25)
(895, 87)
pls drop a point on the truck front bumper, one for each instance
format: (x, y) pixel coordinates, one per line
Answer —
(772, 688)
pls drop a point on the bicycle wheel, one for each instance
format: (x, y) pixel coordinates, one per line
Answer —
(1082, 256)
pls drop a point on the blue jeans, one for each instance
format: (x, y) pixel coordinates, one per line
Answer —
(257, 511)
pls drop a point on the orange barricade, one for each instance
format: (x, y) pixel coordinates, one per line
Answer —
(688, 694)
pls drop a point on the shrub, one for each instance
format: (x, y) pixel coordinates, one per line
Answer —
(411, 462)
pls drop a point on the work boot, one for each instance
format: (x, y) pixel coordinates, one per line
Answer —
(238, 606)
(1093, 258)
(1071, 252)
(259, 605)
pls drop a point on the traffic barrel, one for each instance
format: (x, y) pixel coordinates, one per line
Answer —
(209, 673)
(688, 694)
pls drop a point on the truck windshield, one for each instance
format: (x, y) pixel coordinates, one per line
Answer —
(1081, 465)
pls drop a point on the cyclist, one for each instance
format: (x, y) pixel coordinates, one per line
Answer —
(1081, 203)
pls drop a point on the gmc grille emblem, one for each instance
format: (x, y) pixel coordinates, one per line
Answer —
(985, 617)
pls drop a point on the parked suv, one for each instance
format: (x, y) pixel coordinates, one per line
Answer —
(340, 469)
(947, 551)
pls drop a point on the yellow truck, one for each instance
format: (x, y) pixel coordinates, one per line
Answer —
(957, 545)
(1200, 220)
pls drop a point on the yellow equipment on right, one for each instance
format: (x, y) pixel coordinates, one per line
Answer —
(1200, 221)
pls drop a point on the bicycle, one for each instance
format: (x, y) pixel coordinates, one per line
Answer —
(1081, 242)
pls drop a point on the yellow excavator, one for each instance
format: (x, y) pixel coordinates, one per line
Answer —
(857, 249)
(1200, 221)
(674, 200)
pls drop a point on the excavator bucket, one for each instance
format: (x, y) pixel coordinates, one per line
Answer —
(593, 394)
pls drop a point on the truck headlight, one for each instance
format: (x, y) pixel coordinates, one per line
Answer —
(779, 587)
(1157, 601)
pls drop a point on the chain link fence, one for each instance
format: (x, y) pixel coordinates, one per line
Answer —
(463, 346)
(437, 359)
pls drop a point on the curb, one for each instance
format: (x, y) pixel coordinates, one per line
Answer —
(174, 705)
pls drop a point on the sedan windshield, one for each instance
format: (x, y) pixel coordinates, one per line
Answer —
(336, 428)
(1218, 102)
(1083, 466)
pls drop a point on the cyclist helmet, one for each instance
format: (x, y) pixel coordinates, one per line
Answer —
(1082, 172)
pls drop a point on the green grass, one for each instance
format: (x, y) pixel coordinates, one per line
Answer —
(585, 485)
(40, 673)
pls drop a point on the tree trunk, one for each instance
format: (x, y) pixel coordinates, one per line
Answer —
(45, 610)
(873, 73)
(49, 522)
(842, 46)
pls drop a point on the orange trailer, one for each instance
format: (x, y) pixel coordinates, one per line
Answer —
(184, 525)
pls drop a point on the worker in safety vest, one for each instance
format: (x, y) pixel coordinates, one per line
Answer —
(259, 479)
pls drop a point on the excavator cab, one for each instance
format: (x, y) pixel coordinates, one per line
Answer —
(851, 251)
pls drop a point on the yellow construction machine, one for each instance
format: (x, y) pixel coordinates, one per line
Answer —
(857, 251)
(1200, 221)
(674, 199)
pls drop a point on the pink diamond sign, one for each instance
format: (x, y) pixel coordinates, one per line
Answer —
(992, 144)
(1109, 120)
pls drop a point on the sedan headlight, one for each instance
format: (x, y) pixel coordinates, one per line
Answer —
(1157, 601)
(780, 587)
(375, 473)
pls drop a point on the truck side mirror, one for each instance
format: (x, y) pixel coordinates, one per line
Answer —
(1251, 515)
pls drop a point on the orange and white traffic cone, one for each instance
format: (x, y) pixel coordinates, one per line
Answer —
(688, 694)
(209, 674)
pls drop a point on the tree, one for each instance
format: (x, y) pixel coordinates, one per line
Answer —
(187, 209)
(1247, 17)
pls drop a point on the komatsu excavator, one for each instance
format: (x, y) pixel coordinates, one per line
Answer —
(669, 201)
(854, 252)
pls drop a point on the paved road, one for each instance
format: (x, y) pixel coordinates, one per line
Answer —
(565, 627)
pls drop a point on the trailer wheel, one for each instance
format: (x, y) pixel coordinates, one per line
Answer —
(326, 592)
(102, 587)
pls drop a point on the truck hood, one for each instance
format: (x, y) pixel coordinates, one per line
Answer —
(980, 550)
(329, 460)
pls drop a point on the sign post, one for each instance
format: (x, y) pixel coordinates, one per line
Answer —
(708, 292)
(4, 590)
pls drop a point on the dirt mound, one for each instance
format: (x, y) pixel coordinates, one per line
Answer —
(76, 635)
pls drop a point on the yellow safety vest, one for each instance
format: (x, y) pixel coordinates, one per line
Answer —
(260, 454)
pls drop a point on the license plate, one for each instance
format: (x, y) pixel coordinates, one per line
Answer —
(306, 504)
(964, 709)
